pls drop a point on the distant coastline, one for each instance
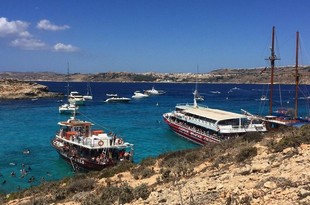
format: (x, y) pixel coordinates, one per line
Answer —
(283, 75)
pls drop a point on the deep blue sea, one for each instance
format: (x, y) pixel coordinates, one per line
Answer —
(27, 124)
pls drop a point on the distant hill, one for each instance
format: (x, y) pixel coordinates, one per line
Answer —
(284, 75)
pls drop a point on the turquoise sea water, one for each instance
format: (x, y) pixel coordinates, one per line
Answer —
(27, 124)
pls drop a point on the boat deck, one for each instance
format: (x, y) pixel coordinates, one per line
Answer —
(214, 114)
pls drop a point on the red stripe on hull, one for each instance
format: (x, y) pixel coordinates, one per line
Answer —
(189, 134)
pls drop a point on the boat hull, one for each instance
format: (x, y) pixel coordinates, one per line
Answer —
(117, 100)
(82, 163)
(188, 134)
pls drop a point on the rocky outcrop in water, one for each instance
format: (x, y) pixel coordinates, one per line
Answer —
(15, 89)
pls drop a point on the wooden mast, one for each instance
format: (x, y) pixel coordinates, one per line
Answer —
(272, 59)
(296, 77)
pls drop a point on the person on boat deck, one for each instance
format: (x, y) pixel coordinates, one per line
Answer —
(102, 156)
(127, 155)
(121, 154)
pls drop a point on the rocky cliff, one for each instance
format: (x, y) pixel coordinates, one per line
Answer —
(257, 169)
(15, 89)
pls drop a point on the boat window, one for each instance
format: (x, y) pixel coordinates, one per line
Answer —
(229, 122)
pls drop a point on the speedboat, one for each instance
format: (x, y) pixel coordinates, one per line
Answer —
(117, 100)
(89, 149)
(153, 91)
(68, 108)
(138, 94)
(76, 98)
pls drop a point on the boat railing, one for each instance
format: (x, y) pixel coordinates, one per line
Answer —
(231, 128)
(194, 120)
(196, 130)
(191, 104)
(97, 143)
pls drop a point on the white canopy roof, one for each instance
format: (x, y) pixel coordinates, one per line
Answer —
(214, 114)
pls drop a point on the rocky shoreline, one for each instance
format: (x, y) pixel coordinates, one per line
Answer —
(257, 169)
(15, 89)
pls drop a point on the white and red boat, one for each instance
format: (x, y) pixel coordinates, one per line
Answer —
(203, 125)
(88, 149)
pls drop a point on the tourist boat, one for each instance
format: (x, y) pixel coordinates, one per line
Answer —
(117, 100)
(283, 116)
(68, 108)
(203, 125)
(76, 98)
(88, 149)
(138, 94)
(153, 91)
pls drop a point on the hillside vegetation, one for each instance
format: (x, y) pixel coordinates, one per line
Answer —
(271, 168)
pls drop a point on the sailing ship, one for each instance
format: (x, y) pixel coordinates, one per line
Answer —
(197, 96)
(282, 117)
(203, 125)
(68, 108)
(89, 94)
(88, 149)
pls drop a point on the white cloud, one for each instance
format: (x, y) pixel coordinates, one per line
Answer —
(29, 44)
(15, 28)
(47, 25)
(60, 47)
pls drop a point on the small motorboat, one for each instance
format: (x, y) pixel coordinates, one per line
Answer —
(153, 91)
(117, 100)
(138, 94)
(68, 108)
(76, 98)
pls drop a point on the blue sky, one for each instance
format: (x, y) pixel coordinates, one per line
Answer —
(148, 35)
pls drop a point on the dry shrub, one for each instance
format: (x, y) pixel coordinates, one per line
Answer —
(81, 185)
(141, 191)
(246, 153)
